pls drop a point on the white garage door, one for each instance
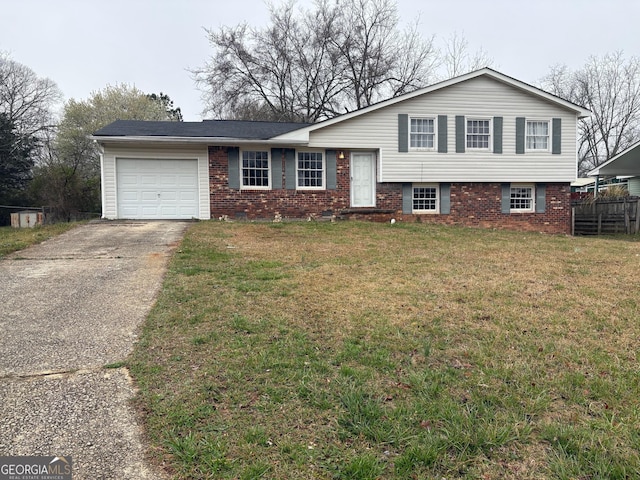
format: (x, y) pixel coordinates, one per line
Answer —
(161, 189)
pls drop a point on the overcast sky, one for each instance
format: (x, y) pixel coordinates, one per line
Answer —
(84, 45)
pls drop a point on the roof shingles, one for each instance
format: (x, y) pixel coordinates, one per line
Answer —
(207, 128)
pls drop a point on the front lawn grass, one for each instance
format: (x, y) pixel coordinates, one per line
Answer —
(364, 351)
(14, 239)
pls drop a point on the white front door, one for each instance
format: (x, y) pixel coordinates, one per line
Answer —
(363, 180)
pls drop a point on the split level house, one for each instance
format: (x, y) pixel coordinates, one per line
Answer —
(482, 149)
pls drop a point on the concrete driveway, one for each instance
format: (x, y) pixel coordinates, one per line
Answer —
(68, 307)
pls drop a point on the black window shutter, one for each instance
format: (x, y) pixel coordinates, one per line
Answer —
(520, 126)
(276, 168)
(233, 155)
(506, 197)
(460, 134)
(442, 134)
(556, 136)
(407, 198)
(445, 198)
(541, 197)
(332, 174)
(497, 134)
(403, 132)
(290, 168)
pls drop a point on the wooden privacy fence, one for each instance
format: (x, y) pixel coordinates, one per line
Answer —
(606, 216)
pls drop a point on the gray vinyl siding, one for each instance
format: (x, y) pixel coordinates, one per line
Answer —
(477, 97)
(109, 174)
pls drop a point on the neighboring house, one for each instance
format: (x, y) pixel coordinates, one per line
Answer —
(583, 185)
(482, 149)
(625, 164)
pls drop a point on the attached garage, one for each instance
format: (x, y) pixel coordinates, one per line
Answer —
(161, 170)
(170, 182)
(157, 188)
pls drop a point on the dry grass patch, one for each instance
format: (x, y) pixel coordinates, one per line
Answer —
(14, 239)
(359, 350)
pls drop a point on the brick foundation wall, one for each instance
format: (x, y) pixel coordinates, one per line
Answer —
(480, 205)
(472, 204)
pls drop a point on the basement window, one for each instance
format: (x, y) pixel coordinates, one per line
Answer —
(522, 199)
(425, 198)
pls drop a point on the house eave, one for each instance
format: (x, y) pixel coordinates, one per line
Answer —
(102, 140)
(625, 163)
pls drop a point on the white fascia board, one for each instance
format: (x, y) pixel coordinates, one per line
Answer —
(581, 112)
(583, 182)
(192, 140)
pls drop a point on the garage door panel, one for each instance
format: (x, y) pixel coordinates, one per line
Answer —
(169, 211)
(154, 188)
(187, 196)
(129, 196)
(148, 196)
(148, 211)
(129, 212)
(183, 212)
(149, 180)
(169, 195)
(168, 180)
(184, 180)
(128, 180)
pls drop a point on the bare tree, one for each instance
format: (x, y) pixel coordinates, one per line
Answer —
(284, 72)
(609, 86)
(26, 99)
(381, 61)
(457, 58)
(309, 65)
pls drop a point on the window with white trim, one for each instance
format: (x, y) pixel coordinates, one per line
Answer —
(255, 169)
(478, 133)
(422, 133)
(310, 170)
(425, 198)
(537, 135)
(522, 198)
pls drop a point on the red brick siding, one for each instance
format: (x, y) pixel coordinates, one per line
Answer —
(480, 205)
(472, 204)
(262, 204)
